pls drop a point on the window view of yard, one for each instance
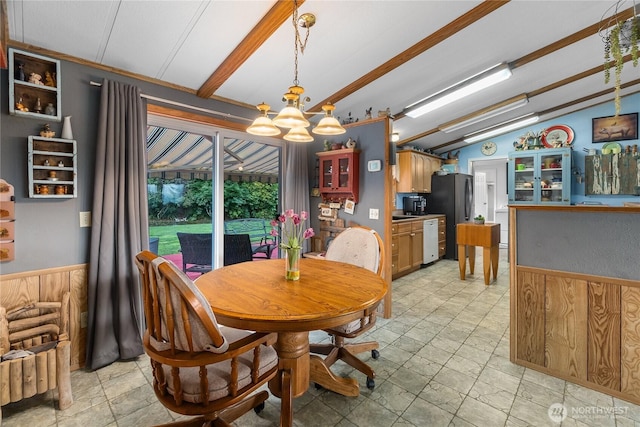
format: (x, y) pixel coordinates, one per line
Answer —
(179, 205)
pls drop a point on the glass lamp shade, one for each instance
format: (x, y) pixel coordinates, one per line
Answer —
(263, 126)
(298, 134)
(329, 126)
(290, 117)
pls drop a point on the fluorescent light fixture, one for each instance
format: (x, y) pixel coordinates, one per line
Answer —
(502, 128)
(466, 87)
(495, 110)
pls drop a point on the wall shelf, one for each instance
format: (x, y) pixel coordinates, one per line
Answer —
(24, 95)
(52, 168)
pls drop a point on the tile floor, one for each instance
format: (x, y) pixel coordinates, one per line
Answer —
(444, 362)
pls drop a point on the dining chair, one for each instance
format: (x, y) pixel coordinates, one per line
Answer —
(199, 368)
(196, 251)
(237, 248)
(361, 246)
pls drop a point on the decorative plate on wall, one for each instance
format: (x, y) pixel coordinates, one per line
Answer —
(557, 136)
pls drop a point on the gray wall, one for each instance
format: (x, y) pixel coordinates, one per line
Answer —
(596, 243)
(371, 140)
(47, 230)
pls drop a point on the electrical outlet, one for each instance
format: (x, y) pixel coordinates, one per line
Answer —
(85, 219)
(83, 319)
(373, 213)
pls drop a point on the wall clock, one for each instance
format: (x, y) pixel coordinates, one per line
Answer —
(488, 148)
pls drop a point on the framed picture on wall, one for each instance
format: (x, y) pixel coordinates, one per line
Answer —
(615, 128)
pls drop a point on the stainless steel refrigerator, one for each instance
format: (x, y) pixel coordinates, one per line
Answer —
(451, 195)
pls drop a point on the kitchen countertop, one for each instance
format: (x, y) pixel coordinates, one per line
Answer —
(415, 218)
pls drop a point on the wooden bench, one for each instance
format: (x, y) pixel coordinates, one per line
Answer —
(259, 231)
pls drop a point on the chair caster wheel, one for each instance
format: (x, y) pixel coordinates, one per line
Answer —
(371, 383)
(259, 408)
(375, 354)
(318, 386)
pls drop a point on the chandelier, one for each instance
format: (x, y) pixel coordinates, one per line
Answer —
(292, 116)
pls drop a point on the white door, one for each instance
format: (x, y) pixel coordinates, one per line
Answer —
(480, 194)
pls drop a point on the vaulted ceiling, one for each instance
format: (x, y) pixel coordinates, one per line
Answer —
(360, 54)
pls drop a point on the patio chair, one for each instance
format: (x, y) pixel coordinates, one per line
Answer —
(237, 248)
(199, 368)
(363, 247)
(196, 252)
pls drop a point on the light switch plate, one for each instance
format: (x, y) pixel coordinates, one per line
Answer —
(85, 219)
(373, 213)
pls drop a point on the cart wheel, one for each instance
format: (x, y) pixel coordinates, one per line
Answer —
(259, 408)
(375, 354)
(371, 383)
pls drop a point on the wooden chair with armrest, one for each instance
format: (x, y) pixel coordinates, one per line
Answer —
(199, 368)
(361, 246)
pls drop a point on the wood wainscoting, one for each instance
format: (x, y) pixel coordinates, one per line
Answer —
(20, 289)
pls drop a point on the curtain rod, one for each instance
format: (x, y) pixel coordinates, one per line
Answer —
(179, 104)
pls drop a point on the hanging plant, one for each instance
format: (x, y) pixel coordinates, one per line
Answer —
(622, 38)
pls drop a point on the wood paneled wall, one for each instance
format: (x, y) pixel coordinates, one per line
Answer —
(580, 328)
(19, 289)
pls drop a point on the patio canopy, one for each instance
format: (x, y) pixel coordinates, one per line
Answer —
(174, 153)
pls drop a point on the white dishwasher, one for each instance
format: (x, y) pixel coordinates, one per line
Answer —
(430, 241)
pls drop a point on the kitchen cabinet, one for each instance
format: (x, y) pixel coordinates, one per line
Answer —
(415, 169)
(339, 174)
(52, 168)
(540, 177)
(407, 244)
(442, 236)
(611, 174)
(32, 97)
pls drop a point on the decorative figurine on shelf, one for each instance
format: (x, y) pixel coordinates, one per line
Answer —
(38, 107)
(327, 145)
(20, 72)
(20, 106)
(36, 79)
(46, 162)
(367, 113)
(350, 143)
(50, 110)
(60, 164)
(49, 79)
(46, 131)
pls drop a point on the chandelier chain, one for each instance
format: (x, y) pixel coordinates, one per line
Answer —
(297, 42)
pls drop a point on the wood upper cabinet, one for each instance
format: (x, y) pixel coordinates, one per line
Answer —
(416, 169)
(607, 174)
(339, 174)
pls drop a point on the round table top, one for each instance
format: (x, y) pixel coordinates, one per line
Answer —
(255, 295)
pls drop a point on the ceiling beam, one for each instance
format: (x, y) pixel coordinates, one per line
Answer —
(546, 50)
(275, 17)
(570, 39)
(455, 26)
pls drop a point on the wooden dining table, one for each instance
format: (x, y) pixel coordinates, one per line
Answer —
(256, 296)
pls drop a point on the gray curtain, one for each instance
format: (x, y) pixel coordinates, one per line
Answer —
(296, 179)
(119, 227)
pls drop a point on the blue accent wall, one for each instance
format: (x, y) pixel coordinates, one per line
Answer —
(580, 122)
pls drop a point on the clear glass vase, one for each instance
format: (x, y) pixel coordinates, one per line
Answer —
(292, 264)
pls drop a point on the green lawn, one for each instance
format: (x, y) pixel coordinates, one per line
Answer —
(168, 243)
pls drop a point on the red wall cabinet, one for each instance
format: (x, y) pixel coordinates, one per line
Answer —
(339, 174)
